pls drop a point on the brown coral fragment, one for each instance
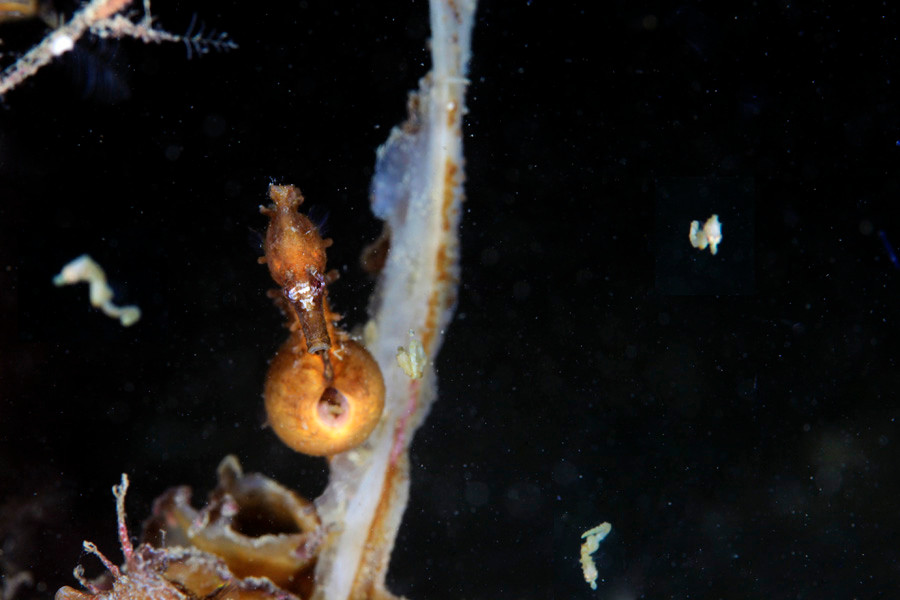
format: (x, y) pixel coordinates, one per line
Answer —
(165, 574)
(255, 525)
(140, 578)
(208, 578)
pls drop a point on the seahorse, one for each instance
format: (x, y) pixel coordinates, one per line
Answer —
(324, 392)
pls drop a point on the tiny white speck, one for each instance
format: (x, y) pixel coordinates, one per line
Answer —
(61, 44)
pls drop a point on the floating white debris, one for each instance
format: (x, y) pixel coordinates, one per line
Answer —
(592, 539)
(710, 235)
(84, 269)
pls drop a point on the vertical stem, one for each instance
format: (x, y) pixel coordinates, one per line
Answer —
(418, 190)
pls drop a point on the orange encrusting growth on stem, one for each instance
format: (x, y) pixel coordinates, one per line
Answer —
(316, 415)
(324, 392)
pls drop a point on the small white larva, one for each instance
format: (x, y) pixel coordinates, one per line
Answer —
(85, 270)
(710, 235)
(592, 539)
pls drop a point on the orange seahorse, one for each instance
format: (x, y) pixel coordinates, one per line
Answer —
(324, 392)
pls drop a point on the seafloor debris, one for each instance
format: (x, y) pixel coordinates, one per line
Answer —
(256, 525)
(710, 235)
(252, 534)
(85, 269)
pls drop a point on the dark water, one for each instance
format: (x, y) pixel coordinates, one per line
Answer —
(733, 416)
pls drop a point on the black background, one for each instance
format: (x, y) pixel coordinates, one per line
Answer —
(738, 427)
